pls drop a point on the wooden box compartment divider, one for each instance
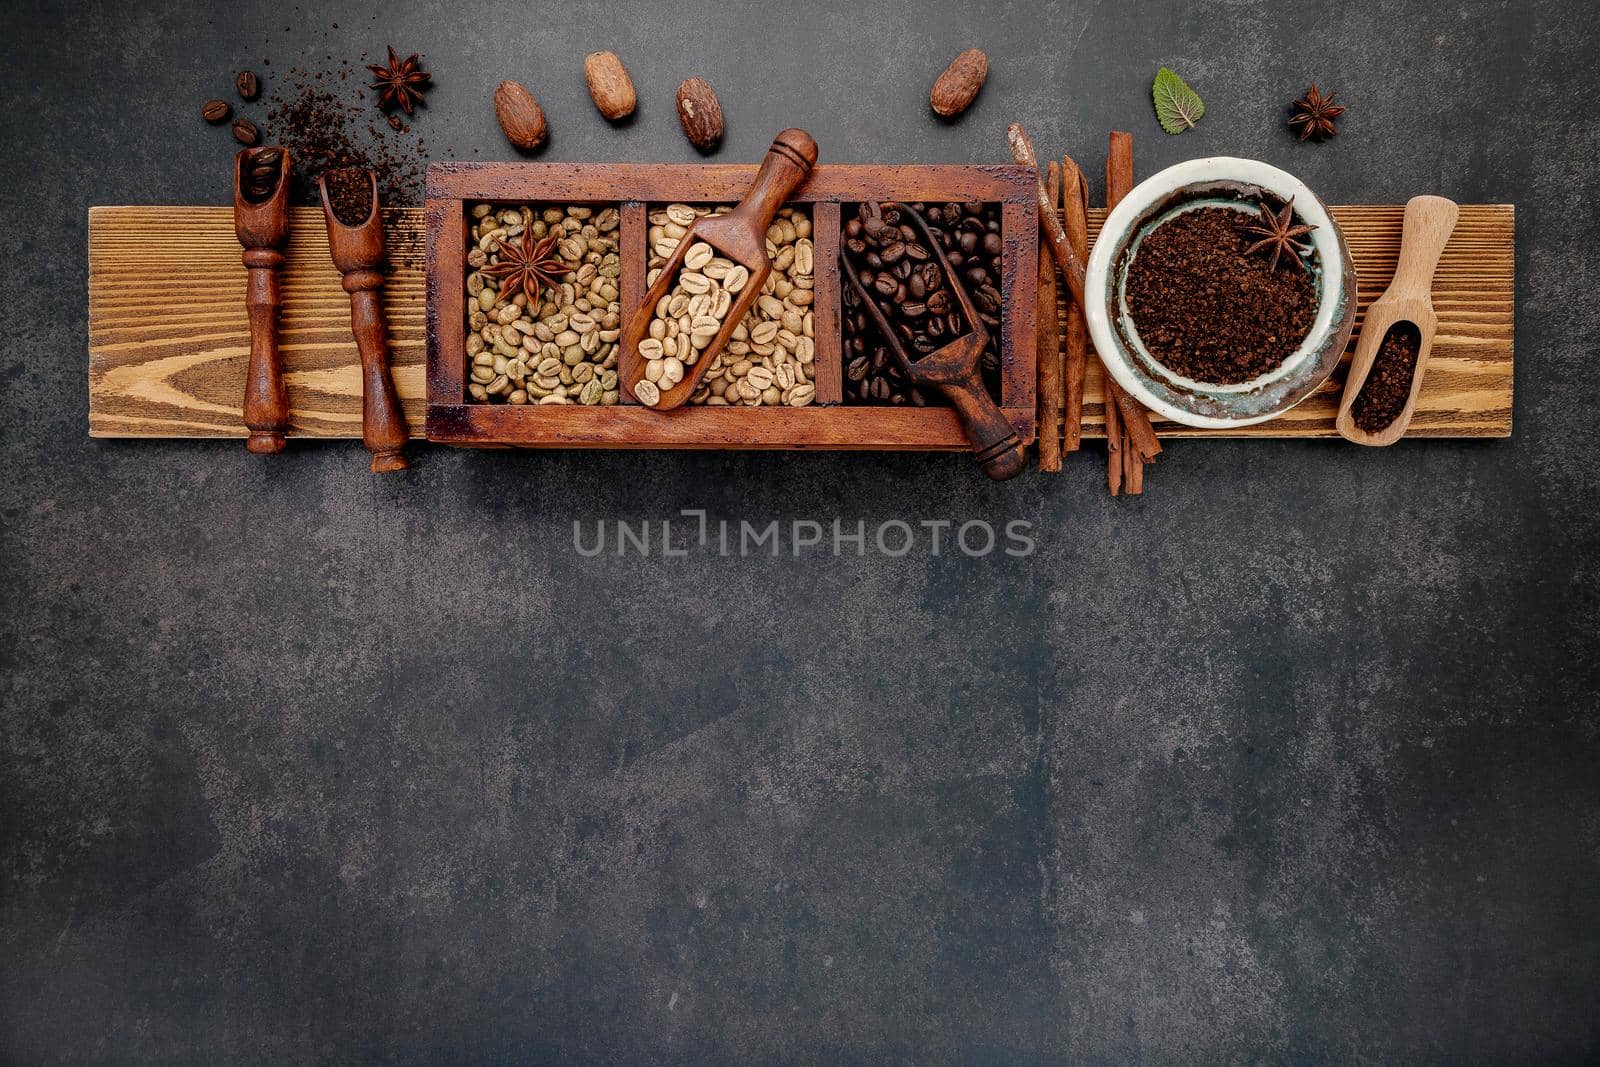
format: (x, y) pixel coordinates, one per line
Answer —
(827, 423)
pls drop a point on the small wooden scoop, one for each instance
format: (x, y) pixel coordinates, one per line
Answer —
(1428, 224)
(358, 254)
(953, 368)
(261, 222)
(740, 235)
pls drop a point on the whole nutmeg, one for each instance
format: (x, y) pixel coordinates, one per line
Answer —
(609, 85)
(215, 112)
(521, 117)
(959, 84)
(700, 113)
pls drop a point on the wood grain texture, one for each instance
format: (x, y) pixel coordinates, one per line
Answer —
(168, 338)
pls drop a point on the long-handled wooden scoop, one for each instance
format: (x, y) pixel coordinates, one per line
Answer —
(740, 235)
(953, 369)
(261, 222)
(1409, 299)
(357, 248)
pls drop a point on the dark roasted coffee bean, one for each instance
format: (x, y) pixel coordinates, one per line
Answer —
(969, 242)
(893, 252)
(912, 310)
(916, 288)
(976, 277)
(855, 246)
(939, 302)
(857, 369)
(917, 251)
(886, 284)
(880, 389)
(248, 84)
(216, 112)
(992, 243)
(245, 132)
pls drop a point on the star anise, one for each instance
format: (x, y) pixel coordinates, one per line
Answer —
(401, 82)
(528, 265)
(1278, 233)
(1314, 116)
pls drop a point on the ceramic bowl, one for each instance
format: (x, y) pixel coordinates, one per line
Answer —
(1218, 182)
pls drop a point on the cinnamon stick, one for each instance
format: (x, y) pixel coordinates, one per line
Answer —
(1137, 433)
(1116, 446)
(1075, 220)
(1049, 338)
(1056, 237)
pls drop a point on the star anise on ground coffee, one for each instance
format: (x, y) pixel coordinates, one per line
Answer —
(1278, 233)
(401, 83)
(528, 265)
(1314, 116)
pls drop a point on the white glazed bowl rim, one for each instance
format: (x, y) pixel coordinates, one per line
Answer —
(1224, 406)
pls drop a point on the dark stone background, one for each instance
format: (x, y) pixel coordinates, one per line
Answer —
(1292, 759)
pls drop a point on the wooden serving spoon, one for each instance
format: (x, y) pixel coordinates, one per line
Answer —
(1429, 222)
(740, 235)
(358, 254)
(261, 222)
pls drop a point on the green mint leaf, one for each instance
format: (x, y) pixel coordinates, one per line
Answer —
(1178, 107)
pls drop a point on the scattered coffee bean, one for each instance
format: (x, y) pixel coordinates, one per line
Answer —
(554, 352)
(1208, 311)
(245, 132)
(248, 84)
(892, 260)
(216, 112)
(1387, 390)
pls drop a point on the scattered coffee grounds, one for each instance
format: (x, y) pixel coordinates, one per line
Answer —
(1388, 386)
(1207, 310)
(326, 120)
(350, 195)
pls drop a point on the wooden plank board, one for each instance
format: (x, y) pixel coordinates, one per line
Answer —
(168, 342)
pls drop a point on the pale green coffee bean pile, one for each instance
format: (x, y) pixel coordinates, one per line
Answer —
(564, 350)
(688, 318)
(771, 355)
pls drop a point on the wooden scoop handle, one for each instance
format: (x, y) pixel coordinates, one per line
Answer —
(266, 399)
(995, 443)
(262, 226)
(788, 161)
(1429, 222)
(383, 428)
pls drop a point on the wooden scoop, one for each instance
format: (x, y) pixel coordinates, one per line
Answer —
(740, 235)
(358, 254)
(1428, 224)
(261, 222)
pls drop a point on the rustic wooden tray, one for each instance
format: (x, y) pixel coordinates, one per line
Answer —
(168, 341)
(635, 188)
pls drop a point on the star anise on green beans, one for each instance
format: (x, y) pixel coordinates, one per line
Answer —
(528, 265)
(1278, 233)
(401, 82)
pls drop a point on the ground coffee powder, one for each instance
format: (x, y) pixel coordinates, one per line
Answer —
(1388, 386)
(1210, 312)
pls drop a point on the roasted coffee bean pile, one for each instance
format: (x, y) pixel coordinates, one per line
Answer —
(261, 171)
(891, 257)
(1207, 310)
(1388, 386)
